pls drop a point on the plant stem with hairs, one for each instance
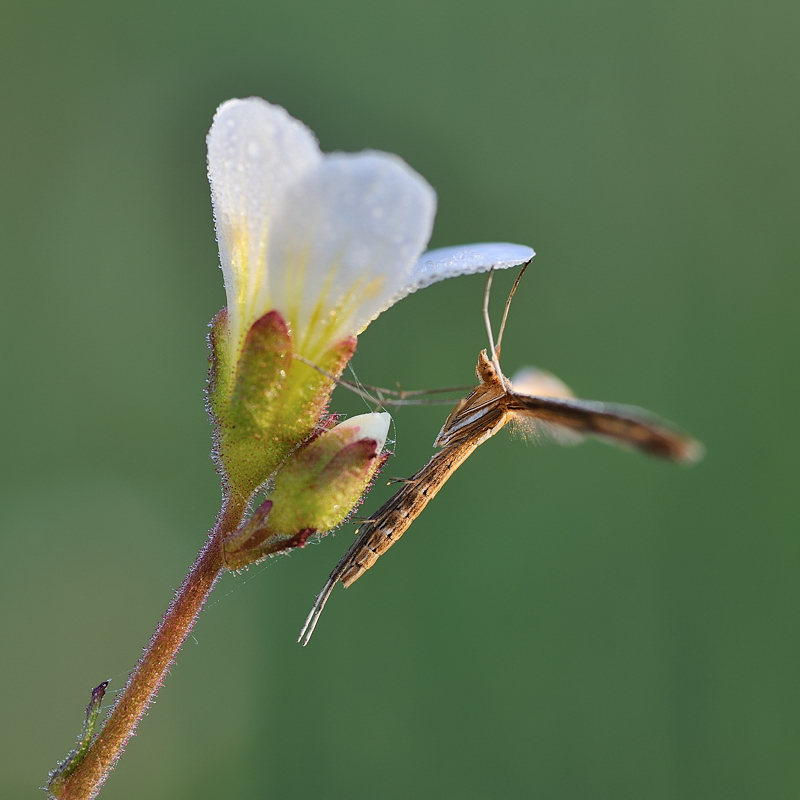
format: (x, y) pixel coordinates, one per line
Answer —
(81, 778)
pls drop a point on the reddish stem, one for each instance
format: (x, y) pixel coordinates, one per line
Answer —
(85, 780)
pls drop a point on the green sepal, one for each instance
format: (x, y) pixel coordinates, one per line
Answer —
(249, 535)
(269, 404)
(244, 402)
(219, 367)
(308, 392)
(255, 540)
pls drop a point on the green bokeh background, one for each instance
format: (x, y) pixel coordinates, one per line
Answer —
(559, 623)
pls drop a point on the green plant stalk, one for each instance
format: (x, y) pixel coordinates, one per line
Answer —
(82, 778)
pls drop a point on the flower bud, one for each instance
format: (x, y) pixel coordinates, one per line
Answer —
(315, 489)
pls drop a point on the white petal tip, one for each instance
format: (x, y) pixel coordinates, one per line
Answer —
(368, 426)
(450, 262)
(447, 262)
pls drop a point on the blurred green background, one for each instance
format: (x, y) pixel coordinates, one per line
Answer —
(559, 623)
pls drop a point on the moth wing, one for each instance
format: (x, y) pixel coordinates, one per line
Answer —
(540, 383)
(618, 424)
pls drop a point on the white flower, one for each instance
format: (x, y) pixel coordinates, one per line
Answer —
(329, 241)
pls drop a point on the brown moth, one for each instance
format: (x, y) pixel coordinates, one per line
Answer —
(545, 407)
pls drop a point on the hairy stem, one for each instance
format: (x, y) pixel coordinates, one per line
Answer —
(83, 781)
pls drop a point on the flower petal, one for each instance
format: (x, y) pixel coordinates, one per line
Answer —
(345, 240)
(256, 151)
(330, 242)
(450, 262)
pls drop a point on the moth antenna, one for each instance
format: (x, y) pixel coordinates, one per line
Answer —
(353, 387)
(488, 322)
(404, 397)
(406, 393)
(508, 306)
(316, 611)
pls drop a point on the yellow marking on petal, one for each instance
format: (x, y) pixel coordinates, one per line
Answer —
(295, 283)
(313, 320)
(325, 329)
(247, 282)
(238, 237)
(237, 311)
(260, 276)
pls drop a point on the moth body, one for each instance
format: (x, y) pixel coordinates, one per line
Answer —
(550, 409)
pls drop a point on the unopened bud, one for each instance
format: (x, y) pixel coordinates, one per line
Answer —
(319, 486)
(315, 489)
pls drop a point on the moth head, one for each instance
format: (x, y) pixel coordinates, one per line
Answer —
(486, 371)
